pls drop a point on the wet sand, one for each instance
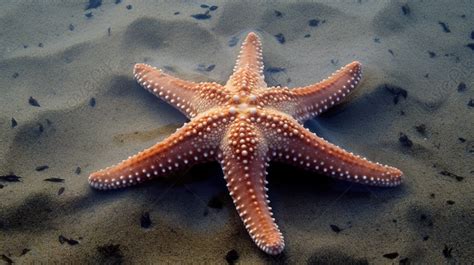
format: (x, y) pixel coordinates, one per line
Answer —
(69, 106)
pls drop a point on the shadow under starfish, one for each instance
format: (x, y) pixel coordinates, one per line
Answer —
(244, 125)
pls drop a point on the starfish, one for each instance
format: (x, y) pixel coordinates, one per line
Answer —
(244, 125)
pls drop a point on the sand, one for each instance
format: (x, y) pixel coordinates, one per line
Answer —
(413, 110)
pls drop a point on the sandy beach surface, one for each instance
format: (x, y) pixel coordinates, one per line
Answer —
(69, 106)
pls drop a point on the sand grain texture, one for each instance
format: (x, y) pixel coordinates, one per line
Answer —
(412, 71)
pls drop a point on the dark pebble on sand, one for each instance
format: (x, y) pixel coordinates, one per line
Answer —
(278, 13)
(61, 191)
(447, 252)
(145, 220)
(71, 27)
(59, 180)
(204, 68)
(470, 45)
(110, 251)
(62, 239)
(462, 87)
(202, 16)
(215, 203)
(118, 1)
(40, 127)
(212, 8)
(462, 140)
(88, 15)
(313, 23)
(376, 40)
(1, 186)
(335, 228)
(7, 259)
(233, 41)
(273, 70)
(78, 170)
(472, 35)
(14, 123)
(40, 45)
(404, 140)
(451, 175)
(204, 6)
(425, 238)
(423, 217)
(432, 54)
(421, 128)
(210, 67)
(24, 251)
(15, 75)
(232, 256)
(307, 35)
(93, 4)
(33, 102)
(391, 52)
(405, 9)
(404, 261)
(391, 255)
(10, 178)
(176, 13)
(470, 103)
(444, 26)
(41, 168)
(92, 102)
(450, 202)
(129, 7)
(280, 38)
(396, 91)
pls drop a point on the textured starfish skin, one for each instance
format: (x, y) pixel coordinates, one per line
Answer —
(244, 125)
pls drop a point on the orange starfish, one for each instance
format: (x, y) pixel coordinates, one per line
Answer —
(243, 125)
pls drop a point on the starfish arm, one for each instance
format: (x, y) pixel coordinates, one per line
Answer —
(195, 142)
(188, 97)
(306, 102)
(248, 70)
(244, 164)
(296, 145)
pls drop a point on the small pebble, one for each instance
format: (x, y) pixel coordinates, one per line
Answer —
(33, 102)
(232, 256)
(444, 26)
(447, 252)
(462, 87)
(405, 141)
(14, 123)
(280, 38)
(59, 180)
(313, 23)
(145, 220)
(41, 168)
(335, 228)
(405, 10)
(392, 255)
